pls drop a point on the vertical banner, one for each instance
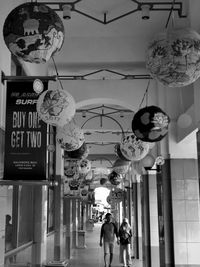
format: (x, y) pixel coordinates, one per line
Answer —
(25, 134)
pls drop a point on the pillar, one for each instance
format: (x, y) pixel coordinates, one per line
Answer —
(40, 226)
(59, 236)
(68, 224)
(74, 222)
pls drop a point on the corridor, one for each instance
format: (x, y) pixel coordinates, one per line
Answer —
(92, 255)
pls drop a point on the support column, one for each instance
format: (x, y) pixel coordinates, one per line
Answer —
(68, 222)
(135, 220)
(74, 223)
(168, 215)
(146, 221)
(40, 226)
(59, 237)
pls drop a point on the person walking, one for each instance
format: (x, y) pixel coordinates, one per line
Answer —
(125, 234)
(107, 238)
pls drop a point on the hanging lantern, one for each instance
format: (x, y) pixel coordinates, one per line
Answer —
(119, 153)
(80, 153)
(184, 121)
(74, 184)
(173, 57)
(150, 124)
(114, 178)
(70, 168)
(56, 107)
(70, 136)
(103, 181)
(148, 161)
(133, 148)
(121, 166)
(84, 166)
(33, 32)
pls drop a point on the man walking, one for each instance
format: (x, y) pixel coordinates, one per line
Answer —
(107, 234)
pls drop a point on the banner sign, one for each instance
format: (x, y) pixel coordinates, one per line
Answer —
(25, 134)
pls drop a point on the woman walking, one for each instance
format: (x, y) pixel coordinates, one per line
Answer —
(125, 234)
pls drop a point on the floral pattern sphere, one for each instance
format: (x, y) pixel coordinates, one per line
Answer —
(84, 166)
(74, 184)
(133, 148)
(33, 32)
(80, 153)
(119, 153)
(121, 166)
(56, 107)
(70, 136)
(150, 124)
(114, 178)
(70, 168)
(173, 57)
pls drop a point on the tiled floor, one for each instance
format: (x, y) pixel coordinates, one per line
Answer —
(92, 255)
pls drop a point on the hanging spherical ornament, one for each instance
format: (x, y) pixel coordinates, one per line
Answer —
(133, 148)
(80, 153)
(117, 195)
(160, 160)
(148, 161)
(119, 153)
(121, 166)
(33, 32)
(114, 178)
(84, 166)
(70, 168)
(173, 57)
(150, 124)
(103, 181)
(56, 107)
(74, 184)
(51, 148)
(184, 121)
(70, 136)
(38, 86)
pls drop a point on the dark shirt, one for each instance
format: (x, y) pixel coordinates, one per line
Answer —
(108, 232)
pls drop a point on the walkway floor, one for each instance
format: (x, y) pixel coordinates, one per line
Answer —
(92, 255)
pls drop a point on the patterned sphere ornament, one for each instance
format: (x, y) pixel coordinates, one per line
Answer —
(150, 124)
(119, 153)
(74, 184)
(84, 166)
(33, 32)
(114, 178)
(70, 136)
(173, 57)
(80, 153)
(133, 148)
(70, 168)
(56, 107)
(121, 166)
(103, 181)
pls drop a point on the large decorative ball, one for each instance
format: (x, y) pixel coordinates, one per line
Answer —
(133, 148)
(121, 166)
(84, 166)
(70, 168)
(80, 153)
(70, 136)
(150, 124)
(56, 107)
(33, 32)
(173, 57)
(114, 178)
(119, 153)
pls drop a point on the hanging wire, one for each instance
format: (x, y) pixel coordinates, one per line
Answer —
(57, 74)
(171, 13)
(145, 95)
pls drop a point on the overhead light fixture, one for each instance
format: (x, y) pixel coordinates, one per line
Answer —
(66, 11)
(145, 11)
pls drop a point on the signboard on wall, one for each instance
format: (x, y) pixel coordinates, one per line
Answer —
(25, 134)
